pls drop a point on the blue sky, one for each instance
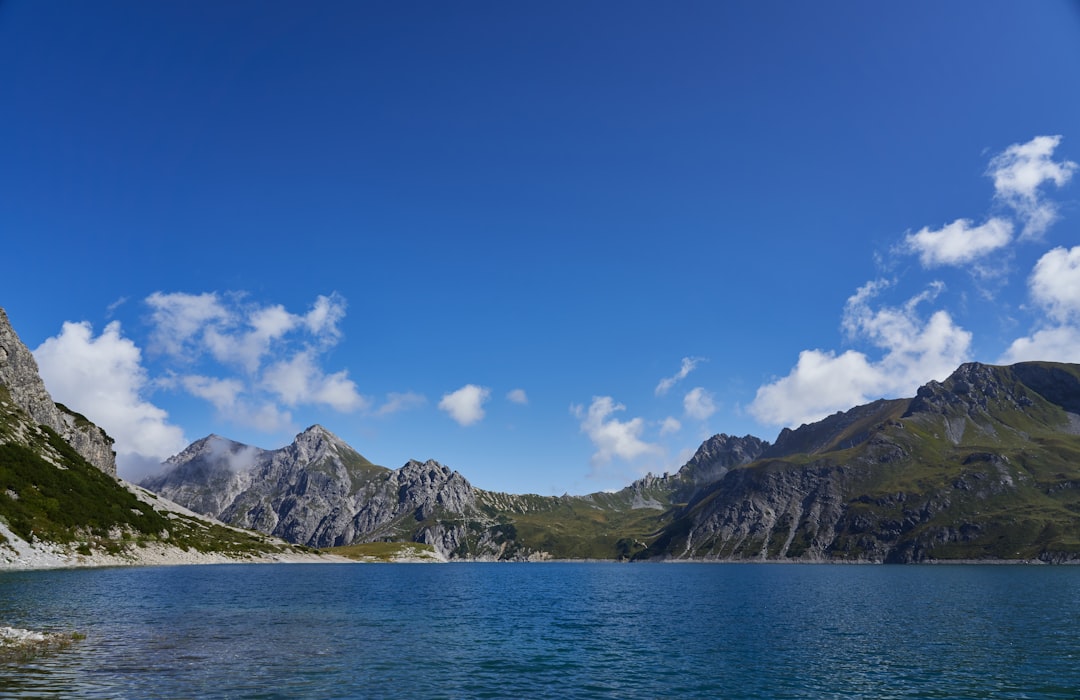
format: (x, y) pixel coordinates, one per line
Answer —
(551, 245)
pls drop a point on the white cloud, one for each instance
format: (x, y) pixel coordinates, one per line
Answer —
(688, 365)
(1055, 283)
(699, 404)
(1020, 171)
(517, 396)
(299, 381)
(247, 348)
(670, 425)
(179, 320)
(915, 351)
(103, 378)
(612, 437)
(222, 393)
(1058, 344)
(271, 354)
(228, 396)
(323, 318)
(1055, 286)
(959, 243)
(466, 404)
(187, 326)
(397, 402)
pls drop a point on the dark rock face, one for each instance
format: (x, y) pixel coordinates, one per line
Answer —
(19, 376)
(1053, 383)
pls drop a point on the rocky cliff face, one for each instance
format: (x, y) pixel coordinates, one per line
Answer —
(983, 465)
(320, 492)
(20, 378)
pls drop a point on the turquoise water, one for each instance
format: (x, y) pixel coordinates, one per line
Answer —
(587, 630)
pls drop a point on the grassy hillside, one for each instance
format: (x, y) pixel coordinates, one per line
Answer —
(980, 467)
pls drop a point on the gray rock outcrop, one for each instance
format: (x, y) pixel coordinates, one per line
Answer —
(320, 492)
(19, 376)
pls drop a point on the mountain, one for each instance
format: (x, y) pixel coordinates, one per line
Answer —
(320, 492)
(61, 503)
(985, 465)
(21, 386)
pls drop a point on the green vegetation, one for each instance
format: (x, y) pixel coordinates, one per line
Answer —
(385, 551)
(65, 499)
(38, 499)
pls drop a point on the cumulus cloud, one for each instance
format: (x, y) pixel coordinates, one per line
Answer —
(466, 405)
(1019, 173)
(699, 404)
(1055, 283)
(517, 396)
(103, 378)
(611, 437)
(1054, 286)
(298, 381)
(688, 365)
(959, 243)
(1057, 344)
(915, 350)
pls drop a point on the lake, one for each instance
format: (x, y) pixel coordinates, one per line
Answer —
(566, 630)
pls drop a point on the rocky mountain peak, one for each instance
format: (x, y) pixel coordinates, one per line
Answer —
(20, 376)
(315, 443)
(973, 387)
(719, 454)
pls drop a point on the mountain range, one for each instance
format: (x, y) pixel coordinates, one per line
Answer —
(982, 466)
(985, 465)
(61, 503)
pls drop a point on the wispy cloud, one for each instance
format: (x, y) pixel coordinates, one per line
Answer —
(466, 405)
(396, 402)
(1020, 172)
(688, 366)
(517, 396)
(669, 426)
(699, 404)
(275, 351)
(611, 437)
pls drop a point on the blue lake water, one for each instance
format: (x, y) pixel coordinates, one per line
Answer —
(572, 630)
